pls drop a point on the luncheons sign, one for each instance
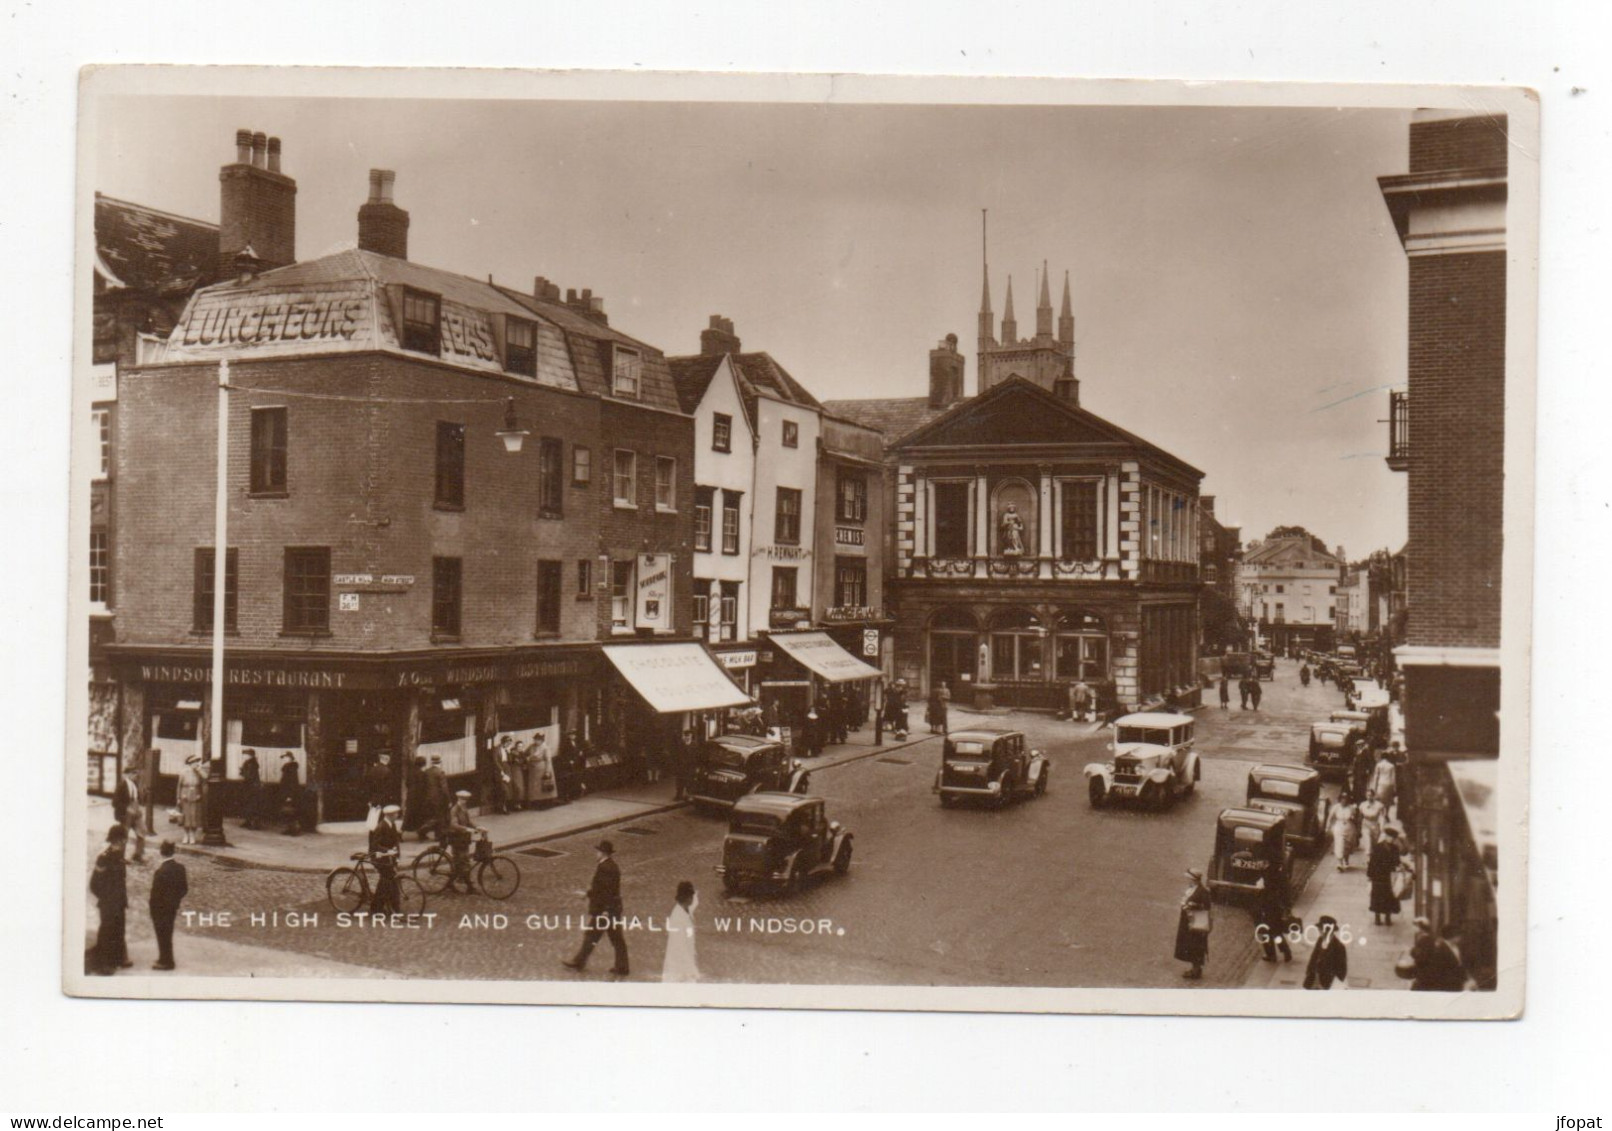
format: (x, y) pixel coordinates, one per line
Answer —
(235, 321)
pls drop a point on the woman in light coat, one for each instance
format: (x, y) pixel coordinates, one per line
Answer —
(681, 963)
(190, 798)
(1373, 813)
(1343, 824)
(1384, 780)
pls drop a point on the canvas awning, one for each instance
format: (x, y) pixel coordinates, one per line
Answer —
(675, 677)
(820, 654)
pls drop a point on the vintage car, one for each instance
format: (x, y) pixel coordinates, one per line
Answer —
(1264, 665)
(1251, 852)
(733, 765)
(993, 765)
(1153, 762)
(782, 839)
(1295, 793)
(1333, 744)
(1366, 694)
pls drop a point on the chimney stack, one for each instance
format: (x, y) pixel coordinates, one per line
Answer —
(257, 206)
(543, 289)
(718, 338)
(945, 374)
(383, 227)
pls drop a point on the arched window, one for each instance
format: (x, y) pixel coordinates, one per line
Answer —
(1018, 646)
(1080, 647)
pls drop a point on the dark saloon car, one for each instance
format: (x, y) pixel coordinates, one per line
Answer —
(781, 839)
(993, 765)
(1295, 793)
(1251, 852)
(736, 764)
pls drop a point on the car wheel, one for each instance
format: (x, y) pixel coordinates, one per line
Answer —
(730, 884)
(796, 880)
(1149, 796)
(1192, 782)
(947, 801)
(1096, 792)
(842, 859)
(1005, 797)
(1041, 782)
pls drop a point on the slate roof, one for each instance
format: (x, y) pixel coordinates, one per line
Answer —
(592, 345)
(1276, 550)
(154, 251)
(895, 417)
(692, 377)
(757, 372)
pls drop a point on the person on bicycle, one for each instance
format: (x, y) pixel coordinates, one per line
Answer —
(385, 841)
(461, 830)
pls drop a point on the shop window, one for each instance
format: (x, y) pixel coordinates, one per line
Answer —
(626, 375)
(786, 528)
(584, 579)
(853, 497)
(1080, 534)
(703, 497)
(422, 322)
(721, 432)
(730, 522)
(268, 451)
(621, 613)
(202, 590)
(101, 422)
(550, 462)
(450, 494)
(626, 478)
(548, 598)
(791, 434)
(307, 590)
(850, 582)
(729, 612)
(447, 596)
(1018, 643)
(951, 519)
(784, 589)
(520, 346)
(581, 465)
(101, 568)
(665, 484)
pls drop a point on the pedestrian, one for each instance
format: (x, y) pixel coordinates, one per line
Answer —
(1271, 919)
(604, 913)
(110, 885)
(568, 768)
(1373, 818)
(1385, 780)
(1329, 960)
(1343, 824)
(169, 886)
(379, 788)
(126, 803)
(437, 800)
(939, 697)
(190, 797)
(1193, 925)
(681, 964)
(1255, 691)
(1433, 963)
(1080, 702)
(385, 845)
(1361, 765)
(683, 765)
(251, 790)
(1242, 689)
(459, 831)
(414, 795)
(499, 774)
(895, 708)
(1225, 692)
(1381, 867)
(291, 794)
(1304, 674)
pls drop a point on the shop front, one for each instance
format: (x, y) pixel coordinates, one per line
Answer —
(660, 697)
(811, 670)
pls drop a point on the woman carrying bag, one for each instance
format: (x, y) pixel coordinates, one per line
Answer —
(1193, 926)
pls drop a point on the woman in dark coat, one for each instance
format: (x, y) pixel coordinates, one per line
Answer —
(1329, 961)
(1380, 868)
(1192, 939)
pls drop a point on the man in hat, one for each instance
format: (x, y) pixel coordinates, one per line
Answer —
(379, 788)
(604, 913)
(126, 803)
(109, 885)
(385, 844)
(437, 800)
(169, 887)
(251, 790)
(461, 829)
(291, 794)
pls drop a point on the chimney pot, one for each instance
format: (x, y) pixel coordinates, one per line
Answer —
(243, 147)
(383, 227)
(374, 186)
(388, 179)
(260, 145)
(587, 296)
(257, 206)
(596, 304)
(570, 296)
(540, 287)
(274, 155)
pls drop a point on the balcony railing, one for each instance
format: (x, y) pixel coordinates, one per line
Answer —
(1398, 431)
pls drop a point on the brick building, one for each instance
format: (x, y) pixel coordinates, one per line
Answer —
(398, 579)
(1447, 433)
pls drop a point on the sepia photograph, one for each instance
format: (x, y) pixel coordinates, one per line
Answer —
(991, 545)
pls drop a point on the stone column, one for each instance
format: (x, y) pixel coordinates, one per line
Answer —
(982, 516)
(912, 517)
(1045, 526)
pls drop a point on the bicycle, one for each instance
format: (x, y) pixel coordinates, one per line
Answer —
(350, 887)
(497, 876)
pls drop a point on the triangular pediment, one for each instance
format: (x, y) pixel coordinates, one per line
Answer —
(1015, 412)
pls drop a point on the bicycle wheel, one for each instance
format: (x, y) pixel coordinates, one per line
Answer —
(433, 870)
(498, 877)
(346, 890)
(410, 895)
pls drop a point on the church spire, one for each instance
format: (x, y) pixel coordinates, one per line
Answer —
(1010, 325)
(1043, 310)
(1066, 319)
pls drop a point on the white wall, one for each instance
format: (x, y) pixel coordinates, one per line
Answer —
(733, 470)
(778, 466)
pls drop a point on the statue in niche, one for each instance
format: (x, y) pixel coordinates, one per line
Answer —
(1010, 532)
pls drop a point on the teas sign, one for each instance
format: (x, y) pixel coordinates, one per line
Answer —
(654, 606)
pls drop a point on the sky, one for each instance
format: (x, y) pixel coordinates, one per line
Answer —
(1238, 289)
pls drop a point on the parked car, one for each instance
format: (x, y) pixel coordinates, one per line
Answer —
(994, 765)
(1294, 792)
(1251, 852)
(1264, 665)
(733, 765)
(1152, 761)
(1366, 694)
(782, 839)
(1332, 745)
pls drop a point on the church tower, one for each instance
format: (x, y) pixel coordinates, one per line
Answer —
(1048, 359)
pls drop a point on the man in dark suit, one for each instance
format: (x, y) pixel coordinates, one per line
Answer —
(438, 800)
(604, 913)
(126, 811)
(251, 790)
(168, 889)
(379, 788)
(291, 793)
(385, 844)
(109, 885)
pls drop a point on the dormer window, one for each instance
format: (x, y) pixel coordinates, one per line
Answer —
(626, 373)
(520, 347)
(422, 322)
